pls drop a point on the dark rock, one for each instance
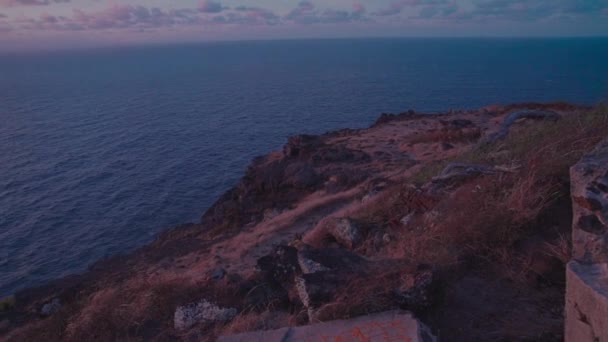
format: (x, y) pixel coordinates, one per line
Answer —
(339, 154)
(51, 307)
(217, 274)
(301, 175)
(335, 259)
(261, 294)
(419, 291)
(446, 146)
(301, 145)
(457, 124)
(281, 265)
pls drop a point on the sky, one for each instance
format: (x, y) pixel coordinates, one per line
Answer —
(47, 24)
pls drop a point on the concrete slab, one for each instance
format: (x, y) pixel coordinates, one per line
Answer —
(586, 302)
(394, 326)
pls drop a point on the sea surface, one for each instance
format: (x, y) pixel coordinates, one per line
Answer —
(100, 150)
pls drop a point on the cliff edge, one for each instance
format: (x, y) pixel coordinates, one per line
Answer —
(459, 221)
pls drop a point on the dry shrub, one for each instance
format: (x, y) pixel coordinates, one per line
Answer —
(129, 310)
(392, 205)
(449, 135)
(253, 321)
(365, 295)
(484, 216)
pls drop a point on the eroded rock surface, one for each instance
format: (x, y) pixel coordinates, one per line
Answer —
(587, 273)
(203, 311)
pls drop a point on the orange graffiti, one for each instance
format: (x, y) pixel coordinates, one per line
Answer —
(392, 331)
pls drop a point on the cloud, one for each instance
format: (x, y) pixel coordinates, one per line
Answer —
(307, 13)
(14, 3)
(210, 6)
(137, 17)
(398, 6)
(249, 15)
(532, 10)
(114, 17)
(359, 8)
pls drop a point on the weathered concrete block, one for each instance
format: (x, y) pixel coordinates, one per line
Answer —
(586, 302)
(387, 326)
(589, 187)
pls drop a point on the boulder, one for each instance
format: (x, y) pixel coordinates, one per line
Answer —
(50, 307)
(203, 311)
(344, 231)
(281, 265)
(386, 326)
(418, 291)
(301, 145)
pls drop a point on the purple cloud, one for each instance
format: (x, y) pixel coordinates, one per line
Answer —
(210, 6)
(398, 6)
(114, 17)
(307, 13)
(13, 3)
(248, 15)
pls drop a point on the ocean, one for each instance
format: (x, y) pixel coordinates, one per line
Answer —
(100, 150)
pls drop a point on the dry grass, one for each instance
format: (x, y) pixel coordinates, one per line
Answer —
(447, 135)
(252, 321)
(486, 216)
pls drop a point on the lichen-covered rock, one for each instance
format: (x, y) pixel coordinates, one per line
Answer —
(51, 307)
(346, 232)
(203, 311)
(310, 266)
(589, 188)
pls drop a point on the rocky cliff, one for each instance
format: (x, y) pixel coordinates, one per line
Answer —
(462, 219)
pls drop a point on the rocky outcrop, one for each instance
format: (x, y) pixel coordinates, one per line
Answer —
(587, 273)
(535, 114)
(387, 326)
(343, 231)
(590, 204)
(203, 311)
(457, 173)
(318, 278)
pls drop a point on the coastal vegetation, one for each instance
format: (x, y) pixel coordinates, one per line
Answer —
(442, 215)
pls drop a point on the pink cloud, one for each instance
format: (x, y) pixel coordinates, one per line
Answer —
(13, 3)
(358, 8)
